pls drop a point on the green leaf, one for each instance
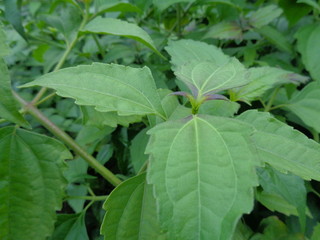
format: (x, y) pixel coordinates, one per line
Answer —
(307, 38)
(117, 7)
(306, 105)
(163, 4)
(131, 212)
(294, 11)
(4, 49)
(282, 147)
(31, 183)
(264, 16)
(275, 37)
(311, 3)
(224, 30)
(203, 162)
(100, 119)
(8, 106)
(274, 202)
(120, 28)
(264, 78)
(219, 108)
(316, 232)
(108, 87)
(185, 51)
(137, 149)
(210, 77)
(70, 227)
(13, 15)
(290, 187)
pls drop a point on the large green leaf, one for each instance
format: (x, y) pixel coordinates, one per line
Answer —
(283, 147)
(131, 212)
(209, 77)
(307, 38)
(264, 78)
(203, 172)
(185, 51)
(108, 87)
(31, 185)
(264, 15)
(306, 105)
(8, 105)
(118, 27)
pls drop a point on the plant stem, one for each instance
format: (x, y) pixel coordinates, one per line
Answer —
(144, 167)
(272, 98)
(62, 59)
(92, 198)
(33, 111)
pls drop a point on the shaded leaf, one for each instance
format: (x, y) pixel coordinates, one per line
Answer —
(120, 28)
(224, 30)
(290, 187)
(8, 106)
(4, 49)
(31, 183)
(264, 78)
(264, 16)
(131, 212)
(316, 232)
(108, 87)
(13, 15)
(308, 37)
(203, 162)
(275, 37)
(137, 149)
(306, 105)
(100, 119)
(311, 3)
(70, 227)
(282, 147)
(163, 4)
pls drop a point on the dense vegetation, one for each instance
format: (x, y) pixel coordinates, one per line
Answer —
(159, 119)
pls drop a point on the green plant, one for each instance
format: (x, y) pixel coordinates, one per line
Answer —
(204, 147)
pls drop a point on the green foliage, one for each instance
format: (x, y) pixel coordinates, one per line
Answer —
(216, 136)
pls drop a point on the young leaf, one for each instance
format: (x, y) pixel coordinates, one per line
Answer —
(264, 16)
(185, 51)
(224, 30)
(116, 7)
(120, 28)
(264, 78)
(8, 105)
(31, 183)
(306, 105)
(131, 212)
(210, 77)
(204, 162)
(283, 147)
(308, 37)
(108, 87)
(219, 108)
